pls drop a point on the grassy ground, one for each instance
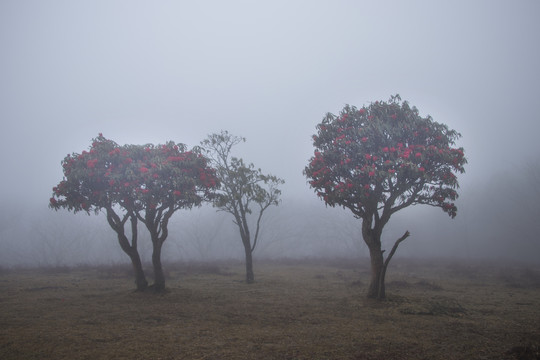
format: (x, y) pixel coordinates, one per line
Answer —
(306, 310)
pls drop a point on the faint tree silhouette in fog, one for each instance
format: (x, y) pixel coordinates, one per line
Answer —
(380, 159)
(242, 186)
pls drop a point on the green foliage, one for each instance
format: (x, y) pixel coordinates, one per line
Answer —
(385, 157)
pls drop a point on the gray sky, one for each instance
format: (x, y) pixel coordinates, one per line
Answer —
(141, 72)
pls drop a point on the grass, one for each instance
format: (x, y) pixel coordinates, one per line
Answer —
(295, 310)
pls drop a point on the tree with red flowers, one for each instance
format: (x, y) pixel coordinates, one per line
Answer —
(380, 159)
(144, 183)
(242, 187)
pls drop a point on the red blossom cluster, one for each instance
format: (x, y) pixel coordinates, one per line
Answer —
(133, 176)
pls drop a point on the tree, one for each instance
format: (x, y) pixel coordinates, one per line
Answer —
(167, 178)
(241, 186)
(92, 183)
(380, 159)
(144, 183)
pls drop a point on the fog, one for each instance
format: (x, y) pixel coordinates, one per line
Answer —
(148, 72)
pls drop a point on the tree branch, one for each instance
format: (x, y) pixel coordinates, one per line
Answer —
(387, 261)
(394, 248)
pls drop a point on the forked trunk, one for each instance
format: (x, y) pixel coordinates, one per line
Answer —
(377, 289)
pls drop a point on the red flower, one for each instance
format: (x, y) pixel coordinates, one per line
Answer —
(111, 182)
(371, 173)
(155, 176)
(91, 163)
(385, 149)
(368, 156)
(391, 171)
(422, 169)
(53, 201)
(361, 111)
(177, 193)
(176, 158)
(367, 187)
(393, 116)
(143, 169)
(364, 139)
(418, 155)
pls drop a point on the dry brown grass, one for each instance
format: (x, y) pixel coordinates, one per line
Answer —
(295, 310)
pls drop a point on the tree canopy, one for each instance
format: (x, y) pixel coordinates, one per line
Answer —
(135, 177)
(379, 159)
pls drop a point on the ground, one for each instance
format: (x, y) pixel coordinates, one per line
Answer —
(295, 310)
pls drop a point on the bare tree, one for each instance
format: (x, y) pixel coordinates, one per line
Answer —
(242, 186)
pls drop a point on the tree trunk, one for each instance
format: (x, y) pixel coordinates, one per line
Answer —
(250, 277)
(140, 278)
(376, 287)
(131, 251)
(159, 276)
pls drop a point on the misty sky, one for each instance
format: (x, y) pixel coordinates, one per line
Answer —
(148, 72)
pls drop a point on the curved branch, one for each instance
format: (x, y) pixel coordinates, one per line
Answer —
(387, 261)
